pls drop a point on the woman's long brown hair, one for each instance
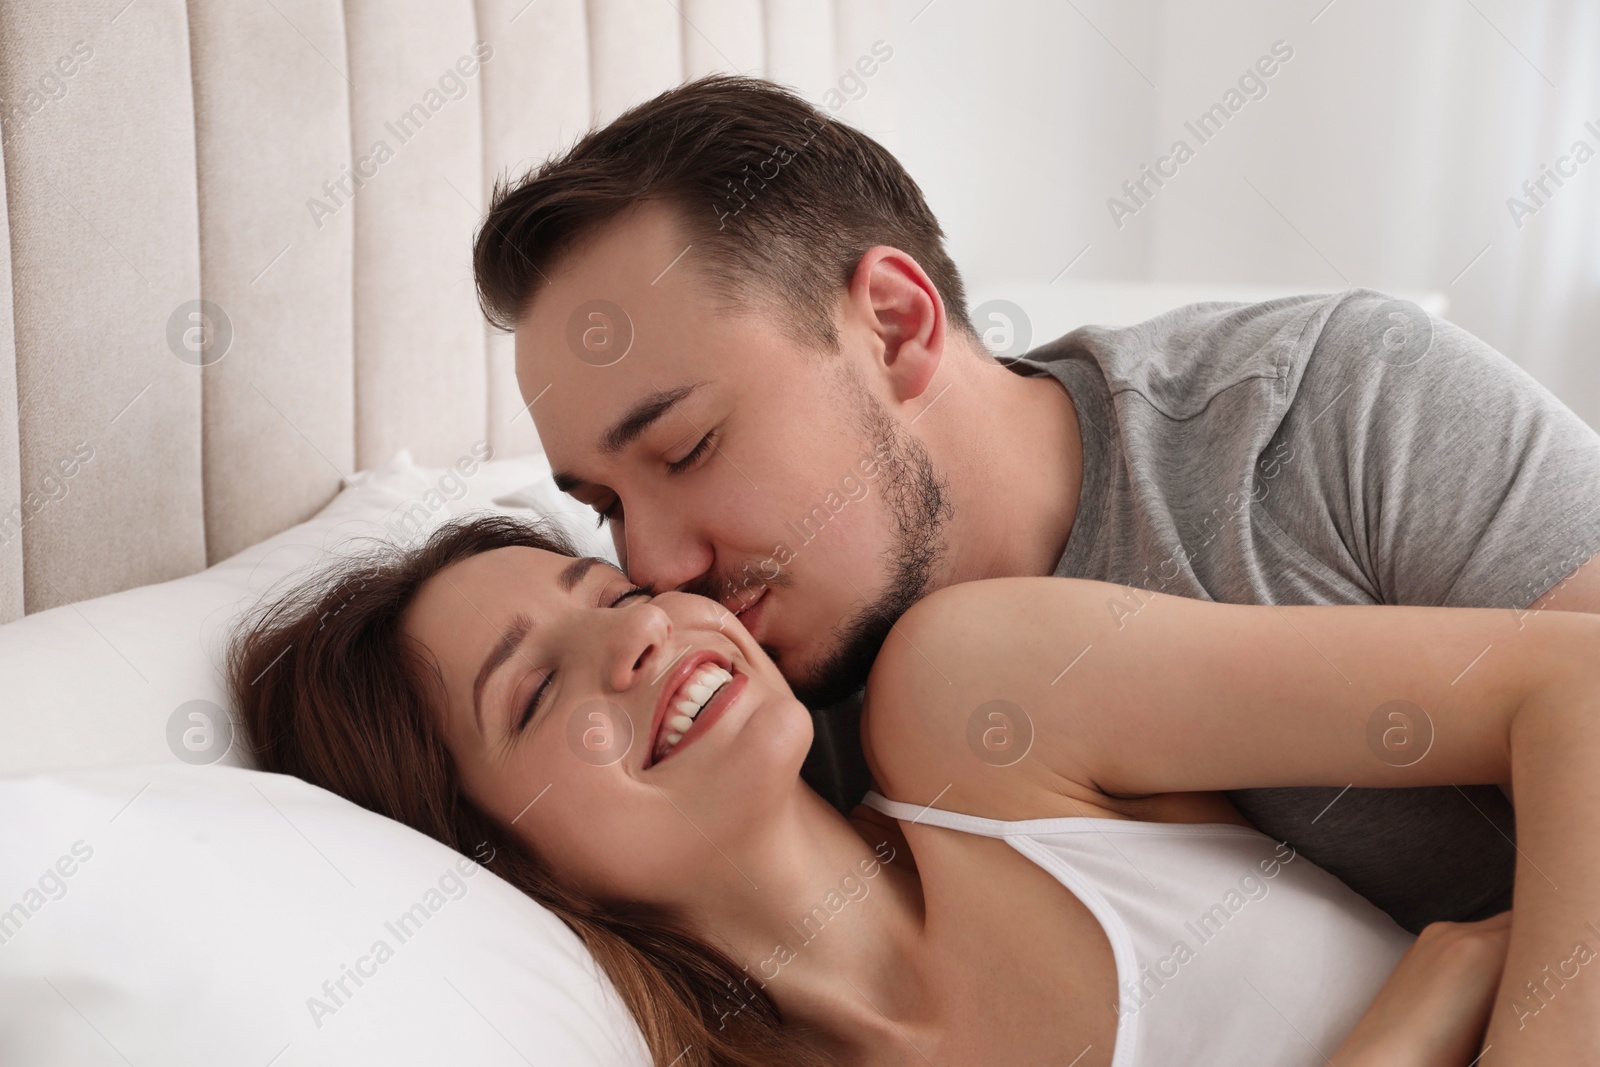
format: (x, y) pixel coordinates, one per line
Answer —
(328, 691)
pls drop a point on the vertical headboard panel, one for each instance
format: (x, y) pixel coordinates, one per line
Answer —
(416, 119)
(235, 264)
(535, 102)
(10, 477)
(100, 194)
(279, 418)
(800, 35)
(635, 52)
(724, 35)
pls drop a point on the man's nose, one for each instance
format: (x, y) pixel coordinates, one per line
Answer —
(663, 552)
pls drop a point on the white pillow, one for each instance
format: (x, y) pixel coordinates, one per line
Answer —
(181, 915)
(119, 679)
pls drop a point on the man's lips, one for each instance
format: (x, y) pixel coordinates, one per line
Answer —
(751, 613)
(677, 676)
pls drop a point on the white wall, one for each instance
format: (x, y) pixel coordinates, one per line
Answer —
(1382, 154)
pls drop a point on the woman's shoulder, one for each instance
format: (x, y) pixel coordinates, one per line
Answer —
(997, 606)
(1001, 605)
(1006, 618)
(955, 690)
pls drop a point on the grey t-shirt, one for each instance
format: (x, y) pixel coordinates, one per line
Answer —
(1343, 449)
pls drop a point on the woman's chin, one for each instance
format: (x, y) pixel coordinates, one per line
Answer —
(760, 765)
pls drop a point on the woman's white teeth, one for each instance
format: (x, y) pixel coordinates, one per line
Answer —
(694, 697)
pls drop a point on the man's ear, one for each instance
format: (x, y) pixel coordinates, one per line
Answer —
(899, 303)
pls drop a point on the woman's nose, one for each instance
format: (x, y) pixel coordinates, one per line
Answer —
(639, 641)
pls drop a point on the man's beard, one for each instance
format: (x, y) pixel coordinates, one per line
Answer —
(918, 501)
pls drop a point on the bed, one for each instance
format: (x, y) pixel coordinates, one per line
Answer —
(234, 336)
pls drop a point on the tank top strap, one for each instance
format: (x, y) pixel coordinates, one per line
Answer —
(950, 820)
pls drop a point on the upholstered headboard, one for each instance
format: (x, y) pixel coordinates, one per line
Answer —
(237, 238)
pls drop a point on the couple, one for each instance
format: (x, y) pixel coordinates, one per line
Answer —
(1134, 813)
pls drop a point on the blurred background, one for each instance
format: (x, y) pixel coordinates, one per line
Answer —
(173, 162)
(1383, 153)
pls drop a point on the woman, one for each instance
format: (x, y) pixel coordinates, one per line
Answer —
(1055, 876)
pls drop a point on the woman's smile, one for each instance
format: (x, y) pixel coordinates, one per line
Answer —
(700, 690)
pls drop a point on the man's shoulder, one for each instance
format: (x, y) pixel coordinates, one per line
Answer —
(1180, 360)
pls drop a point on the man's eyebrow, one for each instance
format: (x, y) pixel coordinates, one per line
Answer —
(635, 421)
(639, 418)
(503, 650)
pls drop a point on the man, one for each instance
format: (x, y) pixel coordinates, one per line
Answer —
(744, 345)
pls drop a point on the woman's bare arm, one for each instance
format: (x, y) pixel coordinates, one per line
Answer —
(1128, 693)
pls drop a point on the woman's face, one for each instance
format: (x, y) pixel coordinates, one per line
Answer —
(563, 689)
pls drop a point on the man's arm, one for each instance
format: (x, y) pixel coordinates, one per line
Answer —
(1430, 469)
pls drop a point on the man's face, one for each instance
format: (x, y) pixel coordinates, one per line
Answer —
(732, 459)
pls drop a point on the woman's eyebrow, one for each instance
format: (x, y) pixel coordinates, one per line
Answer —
(510, 641)
(574, 572)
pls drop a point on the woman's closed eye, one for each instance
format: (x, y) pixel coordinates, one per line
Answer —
(535, 700)
(638, 590)
(544, 686)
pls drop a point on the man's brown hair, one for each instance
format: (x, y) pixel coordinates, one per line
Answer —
(780, 202)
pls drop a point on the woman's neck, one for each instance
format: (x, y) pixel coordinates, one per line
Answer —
(826, 917)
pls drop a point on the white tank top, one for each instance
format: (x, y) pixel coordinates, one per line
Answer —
(1231, 949)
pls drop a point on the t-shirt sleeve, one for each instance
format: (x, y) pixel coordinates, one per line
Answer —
(1432, 463)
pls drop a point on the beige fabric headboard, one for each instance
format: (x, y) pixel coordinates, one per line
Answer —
(157, 154)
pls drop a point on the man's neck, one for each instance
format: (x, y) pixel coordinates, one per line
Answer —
(1010, 449)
